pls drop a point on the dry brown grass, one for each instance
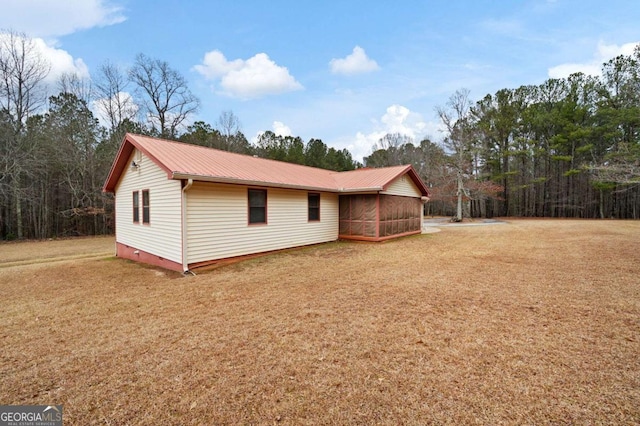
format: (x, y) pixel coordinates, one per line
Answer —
(533, 322)
(22, 253)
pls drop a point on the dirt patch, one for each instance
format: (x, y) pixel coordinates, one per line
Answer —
(534, 322)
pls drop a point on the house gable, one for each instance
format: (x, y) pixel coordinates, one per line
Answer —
(162, 235)
(403, 186)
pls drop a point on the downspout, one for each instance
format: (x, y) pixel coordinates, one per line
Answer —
(424, 200)
(185, 263)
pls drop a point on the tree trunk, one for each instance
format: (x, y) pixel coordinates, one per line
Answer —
(18, 214)
(459, 193)
(601, 204)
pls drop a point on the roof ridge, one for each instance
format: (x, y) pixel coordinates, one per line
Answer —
(207, 148)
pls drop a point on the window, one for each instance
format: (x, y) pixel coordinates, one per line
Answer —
(314, 207)
(145, 206)
(136, 207)
(257, 206)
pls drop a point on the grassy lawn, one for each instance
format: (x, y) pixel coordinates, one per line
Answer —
(22, 253)
(533, 322)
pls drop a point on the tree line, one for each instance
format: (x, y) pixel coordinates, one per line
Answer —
(565, 148)
(55, 152)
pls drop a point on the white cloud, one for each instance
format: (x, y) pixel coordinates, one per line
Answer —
(356, 63)
(59, 60)
(279, 128)
(46, 18)
(43, 20)
(603, 53)
(247, 79)
(565, 70)
(397, 119)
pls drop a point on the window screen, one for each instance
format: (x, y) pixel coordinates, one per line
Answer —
(145, 206)
(257, 206)
(136, 207)
(314, 207)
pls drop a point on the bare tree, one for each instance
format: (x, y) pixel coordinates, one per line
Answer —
(456, 119)
(114, 101)
(230, 134)
(166, 98)
(22, 71)
(228, 123)
(73, 83)
(392, 145)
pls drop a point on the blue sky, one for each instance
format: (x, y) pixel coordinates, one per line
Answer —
(346, 72)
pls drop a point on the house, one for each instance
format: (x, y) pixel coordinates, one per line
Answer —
(181, 206)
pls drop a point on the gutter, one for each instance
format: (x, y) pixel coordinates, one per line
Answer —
(185, 263)
(244, 182)
(373, 190)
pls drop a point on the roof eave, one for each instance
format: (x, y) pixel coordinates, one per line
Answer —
(236, 181)
(360, 190)
(118, 166)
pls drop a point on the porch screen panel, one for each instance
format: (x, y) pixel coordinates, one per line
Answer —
(345, 207)
(358, 215)
(399, 215)
(370, 213)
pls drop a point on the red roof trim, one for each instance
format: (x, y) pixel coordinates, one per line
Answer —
(122, 159)
(118, 166)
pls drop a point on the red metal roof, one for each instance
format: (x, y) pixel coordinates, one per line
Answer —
(186, 161)
(368, 178)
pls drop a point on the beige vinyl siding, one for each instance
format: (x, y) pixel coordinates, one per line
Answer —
(404, 186)
(162, 236)
(217, 222)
